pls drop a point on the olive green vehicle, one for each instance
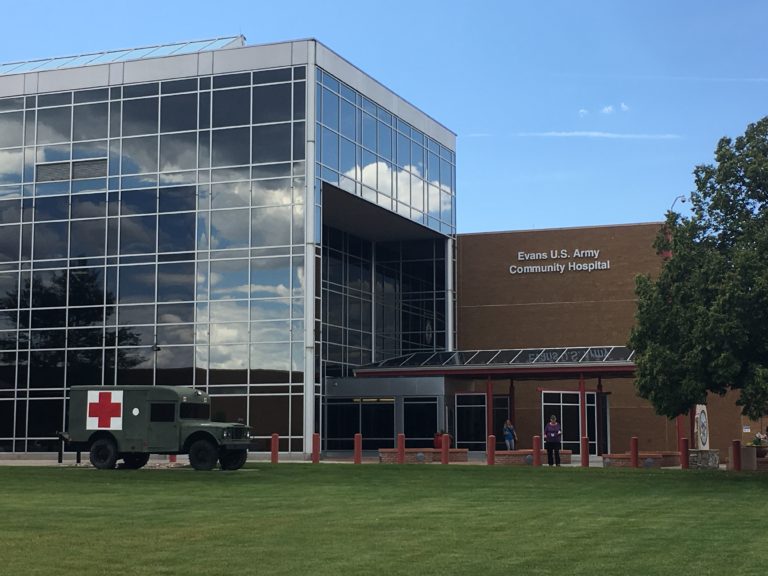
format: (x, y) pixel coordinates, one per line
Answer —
(129, 423)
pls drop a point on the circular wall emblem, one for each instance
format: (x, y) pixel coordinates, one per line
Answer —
(703, 428)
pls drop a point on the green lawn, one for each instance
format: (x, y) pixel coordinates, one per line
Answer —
(300, 519)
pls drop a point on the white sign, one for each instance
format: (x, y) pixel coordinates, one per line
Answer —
(702, 427)
(104, 410)
(559, 261)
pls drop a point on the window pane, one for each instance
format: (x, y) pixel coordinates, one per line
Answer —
(271, 226)
(229, 147)
(50, 240)
(11, 129)
(271, 192)
(271, 103)
(176, 232)
(87, 238)
(140, 116)
(178, 152)
(139, 155)
(138, 201)
(53, 125)
(229, 279)
(229, 229)
(54, 208)
(137, 284)
(231, 107)
(89, 205)
(48, 289)
(177, 199)
(176, 282)
(271, 143)
(178, 113)
(90, 122)
(86, 287)
(137, 235)
(11, 165)
(270, 277)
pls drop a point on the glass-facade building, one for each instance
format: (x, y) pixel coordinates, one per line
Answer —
(254, 221)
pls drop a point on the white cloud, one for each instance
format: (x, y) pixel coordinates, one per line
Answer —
(624, 107)
(583, 112)
(607, 109)
(608, 135)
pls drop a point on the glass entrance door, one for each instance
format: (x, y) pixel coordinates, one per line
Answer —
(565, 405)
(470, 421)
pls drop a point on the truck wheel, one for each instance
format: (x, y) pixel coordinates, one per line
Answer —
(233, 459)
(203, 454)
(135, 461)
(104, 454)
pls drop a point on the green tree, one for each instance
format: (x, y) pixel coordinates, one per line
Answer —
(702, 325)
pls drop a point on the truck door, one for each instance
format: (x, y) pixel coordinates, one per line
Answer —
(163, 427)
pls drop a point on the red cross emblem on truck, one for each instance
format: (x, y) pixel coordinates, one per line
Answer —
(105, 410)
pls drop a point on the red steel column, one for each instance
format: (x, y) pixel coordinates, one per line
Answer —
(445, 448)
(315, 448)
(736, 455)
(489, 406)
(401, 448)
(684, 454)
(358, 448)
(275, 447)
(537, 450)
(584, 452)
(583, 405)
(633, 452)
(511, 413)
(491, 450)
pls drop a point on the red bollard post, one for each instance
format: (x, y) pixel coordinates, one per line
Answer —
(585, 452)
(537, 450)
(315, 448)
(491, 451)
(401, 448)
(172, 458)
(275, 447)
(684, 454)
(633, 453)
(736, 455)
(445, 448)
(358, 448)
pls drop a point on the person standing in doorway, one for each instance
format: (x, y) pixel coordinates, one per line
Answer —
(553, 435)
(510, 435)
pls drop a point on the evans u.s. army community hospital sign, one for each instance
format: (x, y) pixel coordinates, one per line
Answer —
(559, 261)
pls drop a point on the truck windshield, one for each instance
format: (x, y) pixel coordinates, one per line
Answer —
(195, 411)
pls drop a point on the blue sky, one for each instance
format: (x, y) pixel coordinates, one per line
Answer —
(567, 113)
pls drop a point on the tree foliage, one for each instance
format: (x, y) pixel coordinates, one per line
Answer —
(702, 325)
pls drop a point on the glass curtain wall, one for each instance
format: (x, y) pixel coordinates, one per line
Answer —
(154, 234)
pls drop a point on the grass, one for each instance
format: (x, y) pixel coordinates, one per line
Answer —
(377, 519)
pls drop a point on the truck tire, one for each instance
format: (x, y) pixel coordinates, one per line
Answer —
(134, 461)
(104, 454)
(233, 459)
(203, 454)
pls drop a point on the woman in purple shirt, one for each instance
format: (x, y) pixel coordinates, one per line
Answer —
(553, 434)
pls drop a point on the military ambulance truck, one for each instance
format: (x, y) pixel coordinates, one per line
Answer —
(129, 423)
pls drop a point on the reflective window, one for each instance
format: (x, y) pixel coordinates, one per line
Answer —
(299, 100)
(137, 284)
(49, 289)
(87, 238)
(230, 147)
(140, 116)
(178, 151)
(271, 192)
(270, 76)
(176, 282)
(89, 205)
(229, 279)
(271, 278)
(229, 229)
(231, 107)
(137, 235)
(55, 208)
(138, 201)
(139, 155)
(271, 103)
(271, 226)
(175, 313)
(46, 369)
(11, 129)
(178, 199)
(10, 211)
(178, 113)
(54, 125)
(271, 143)
(90, 122)
(50, 240)
(11, 165)
(86, 287)
(176, 232)
(230, 195)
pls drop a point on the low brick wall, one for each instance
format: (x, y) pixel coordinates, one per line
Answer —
(422, 455)
(645, 460)
(670, 459)
(525, 457)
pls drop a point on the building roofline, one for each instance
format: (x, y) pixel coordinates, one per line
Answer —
(587, 227)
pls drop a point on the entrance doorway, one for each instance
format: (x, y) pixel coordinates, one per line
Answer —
(470, 421)
(565, 405)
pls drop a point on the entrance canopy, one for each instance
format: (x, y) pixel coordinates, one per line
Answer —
(519, 363)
